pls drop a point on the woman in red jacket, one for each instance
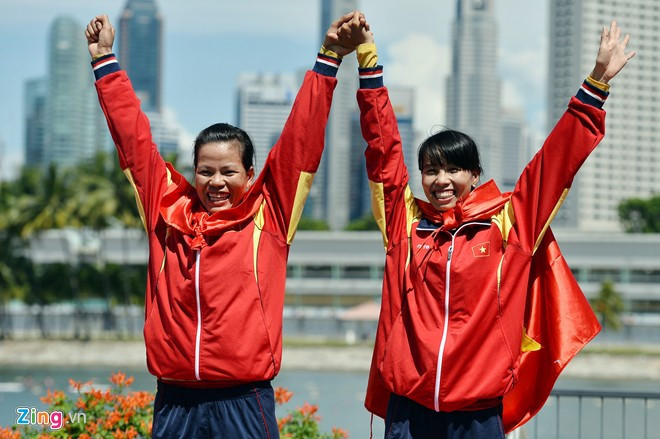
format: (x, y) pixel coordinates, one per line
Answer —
(217, 249)
(480, 312)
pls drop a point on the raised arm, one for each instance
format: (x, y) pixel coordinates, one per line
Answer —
(391, 199)
(129, 126)
(293, 161)
(545, 181)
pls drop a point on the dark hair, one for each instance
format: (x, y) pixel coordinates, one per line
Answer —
(223, 132)
(450, 146)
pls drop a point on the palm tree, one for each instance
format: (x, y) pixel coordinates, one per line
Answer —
(609, 305)
(105, 199)
(42, 200)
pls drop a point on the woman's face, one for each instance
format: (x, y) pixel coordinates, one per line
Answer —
(220, 177)
(445, 185)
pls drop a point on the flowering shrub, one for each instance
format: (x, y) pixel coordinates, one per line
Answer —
(105, 414)
(113, 414)
(302, 423)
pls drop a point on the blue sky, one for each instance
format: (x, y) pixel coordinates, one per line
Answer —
(208, 43)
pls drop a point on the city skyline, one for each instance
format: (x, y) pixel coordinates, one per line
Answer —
(200, 89)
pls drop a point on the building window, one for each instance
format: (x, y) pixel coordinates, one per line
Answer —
(356, 272)
(604, 274)
(317, 272)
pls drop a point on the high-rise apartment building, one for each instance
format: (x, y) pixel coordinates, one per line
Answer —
(473, 90)
(73, 117)
(140, 54)
(165, 132)
(515, 147)
(140, 50)
(330, 200)
(34, 97)
(263, 104)
(627, 162)
(403, 103)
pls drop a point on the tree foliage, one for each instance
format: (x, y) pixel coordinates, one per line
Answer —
(367, 222)
(312, 224)
(640, 215)
(94, 195)
(609, 305)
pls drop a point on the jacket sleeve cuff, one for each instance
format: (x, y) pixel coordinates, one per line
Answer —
(105, 65)
(593, 93)
(327, 65)
(371, 77)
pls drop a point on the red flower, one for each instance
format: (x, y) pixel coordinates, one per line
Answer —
(308, 410)
(77, 385)
(282, 395)
(283, 421)
(7, 433)
(338, 433)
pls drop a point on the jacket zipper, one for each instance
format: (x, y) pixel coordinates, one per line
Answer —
(445, 329)
(199, 315)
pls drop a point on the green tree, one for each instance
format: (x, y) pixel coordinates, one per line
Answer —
(312, 224)
(42, 201)
(367, 222)
(37, 200)
(15, 275)
(94, 195)
(609, 305)
(105, 199)
(640, 215)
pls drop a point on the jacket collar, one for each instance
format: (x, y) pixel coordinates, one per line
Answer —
(480, 204)
(180, 208)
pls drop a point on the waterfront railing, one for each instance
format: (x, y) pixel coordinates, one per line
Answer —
(595, 414)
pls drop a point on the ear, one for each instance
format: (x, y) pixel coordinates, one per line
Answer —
(475, 179)
(250, 175)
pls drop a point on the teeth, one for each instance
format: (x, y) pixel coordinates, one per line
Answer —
(443, 194)
(218, 197)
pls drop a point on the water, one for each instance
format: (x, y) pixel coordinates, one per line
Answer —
(340, 396)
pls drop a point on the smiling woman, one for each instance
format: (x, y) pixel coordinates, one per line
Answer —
(217, 249)
(223, 159)
(480, 312)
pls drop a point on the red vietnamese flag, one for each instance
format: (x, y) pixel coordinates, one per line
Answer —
(481, 250)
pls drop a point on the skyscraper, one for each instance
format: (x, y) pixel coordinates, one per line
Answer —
(403, 103)
(140, 54)
(263, 104)
(35, 93)
(73, 117)
(333, 180)
(515, 147)
(140, 50)
(473, 90)
(626, 162)
(165, 132)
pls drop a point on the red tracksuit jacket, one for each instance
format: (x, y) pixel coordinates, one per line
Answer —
(463, 312)
(215, 285)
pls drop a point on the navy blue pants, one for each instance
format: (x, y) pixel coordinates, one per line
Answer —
(407, 419)
(246, 411)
